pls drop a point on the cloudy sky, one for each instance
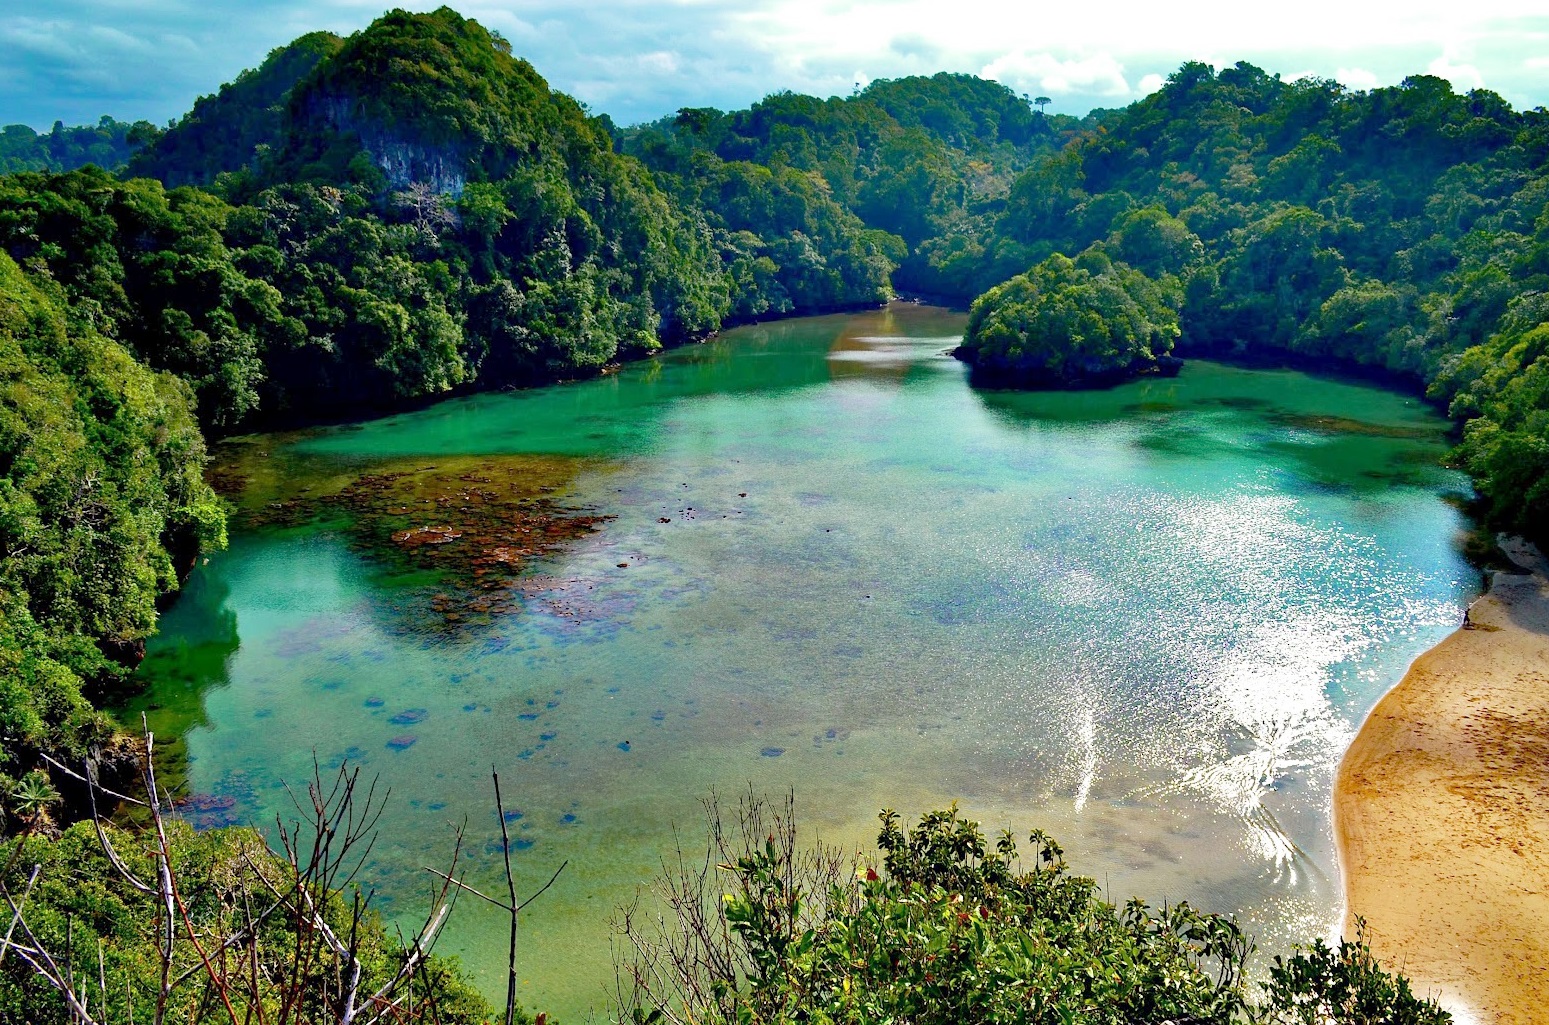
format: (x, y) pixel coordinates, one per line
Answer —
(636, 60)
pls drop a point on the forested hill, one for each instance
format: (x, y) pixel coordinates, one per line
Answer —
(1230, 213)
(1403, 229)
(925, 159)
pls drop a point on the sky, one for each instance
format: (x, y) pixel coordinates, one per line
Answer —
(75, 60)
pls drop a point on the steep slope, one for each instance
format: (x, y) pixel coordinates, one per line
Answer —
(102, 505)
(236, 127)
(420, 212)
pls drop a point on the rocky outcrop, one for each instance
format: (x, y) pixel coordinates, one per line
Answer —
(404, 162)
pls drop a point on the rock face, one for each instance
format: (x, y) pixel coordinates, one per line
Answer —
(430, 100)
(402, 161)
(127, 653)
(405, 163)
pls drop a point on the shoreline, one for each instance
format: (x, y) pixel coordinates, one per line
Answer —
(1441, 810)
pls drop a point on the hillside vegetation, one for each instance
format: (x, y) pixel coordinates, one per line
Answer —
(108, 143)
(102, 505)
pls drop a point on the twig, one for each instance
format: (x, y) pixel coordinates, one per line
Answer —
(505, 853)
(16, 909)
(91, 783)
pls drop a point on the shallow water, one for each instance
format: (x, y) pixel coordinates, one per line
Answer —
(1147, 620)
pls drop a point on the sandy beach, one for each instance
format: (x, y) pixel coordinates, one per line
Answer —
(1441, 810)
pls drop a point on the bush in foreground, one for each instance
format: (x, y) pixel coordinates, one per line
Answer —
(952, 930)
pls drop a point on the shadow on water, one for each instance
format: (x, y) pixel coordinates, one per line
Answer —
(625, 413)
(188, 658)
(1379, 440)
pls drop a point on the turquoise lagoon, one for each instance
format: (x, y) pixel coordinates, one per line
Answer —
(1148, 620)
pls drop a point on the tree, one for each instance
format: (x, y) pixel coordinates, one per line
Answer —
(1071, 323)
(171, 926)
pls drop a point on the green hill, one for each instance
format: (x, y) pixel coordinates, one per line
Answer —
(1402, 230)
(235, 128)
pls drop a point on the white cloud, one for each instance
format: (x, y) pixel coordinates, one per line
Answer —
(662, 62)
(1462, 76)
(1150, 84)
(1023, 71)
(1356, 78)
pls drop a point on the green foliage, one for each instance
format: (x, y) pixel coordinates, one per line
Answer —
(102, 504)
(1319, 984)
(1501, 390)
(149, 268)
(925, 160)
(956, 930)
(1066, 323)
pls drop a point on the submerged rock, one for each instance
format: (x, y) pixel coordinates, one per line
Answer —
(480, 523)
(426, 536)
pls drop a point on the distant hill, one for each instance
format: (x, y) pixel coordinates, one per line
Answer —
(108, 144)
(921, 158)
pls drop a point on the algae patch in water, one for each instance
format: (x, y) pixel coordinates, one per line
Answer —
(1336, 425)
(473, 527)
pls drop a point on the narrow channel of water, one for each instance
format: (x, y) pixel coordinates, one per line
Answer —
(1147, 620)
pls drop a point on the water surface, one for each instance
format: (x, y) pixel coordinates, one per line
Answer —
(1146, 619)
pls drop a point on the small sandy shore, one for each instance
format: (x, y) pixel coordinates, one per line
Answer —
(1441, 811)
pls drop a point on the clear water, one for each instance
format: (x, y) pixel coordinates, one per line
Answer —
(1147, 620)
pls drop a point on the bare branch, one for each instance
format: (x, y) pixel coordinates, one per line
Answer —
(505, 853)
(89, 782)
(16, 909)
(545, 886)
(464, 886)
